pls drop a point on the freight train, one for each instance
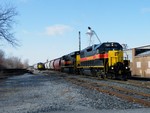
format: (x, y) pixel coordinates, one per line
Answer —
(104, 60)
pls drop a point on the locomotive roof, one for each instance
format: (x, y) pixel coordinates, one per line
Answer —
(72, 53)
(91, 47)
(105, 44)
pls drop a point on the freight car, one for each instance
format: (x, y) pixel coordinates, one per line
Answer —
(57, 64)
(47, 66)
(54, 64)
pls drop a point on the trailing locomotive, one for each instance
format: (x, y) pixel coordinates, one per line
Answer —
(71, 62)
(105, 60)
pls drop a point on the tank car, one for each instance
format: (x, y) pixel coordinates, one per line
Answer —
(56, 64)
(47, 65)
(51, 65)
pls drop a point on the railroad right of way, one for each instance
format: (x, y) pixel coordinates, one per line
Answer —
(50, 91)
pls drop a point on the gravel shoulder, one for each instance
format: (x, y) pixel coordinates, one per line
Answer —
(52, 93)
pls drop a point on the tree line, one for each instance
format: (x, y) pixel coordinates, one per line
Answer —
(11, 62)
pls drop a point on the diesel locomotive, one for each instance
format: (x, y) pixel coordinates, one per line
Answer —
(104, 60)
(40, 66)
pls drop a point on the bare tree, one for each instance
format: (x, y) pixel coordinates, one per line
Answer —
(26, 63)
(7, 20)
(13, 62)
(2, 58)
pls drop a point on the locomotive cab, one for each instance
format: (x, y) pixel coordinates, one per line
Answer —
(106, 60)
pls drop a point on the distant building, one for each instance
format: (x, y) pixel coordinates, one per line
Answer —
(139, 61)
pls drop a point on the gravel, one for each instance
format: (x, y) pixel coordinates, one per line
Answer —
(52, 93)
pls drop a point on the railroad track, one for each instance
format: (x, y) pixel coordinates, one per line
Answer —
(134, 96)
(143, 84)
(114, 87)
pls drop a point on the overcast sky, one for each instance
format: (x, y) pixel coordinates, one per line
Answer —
(48, 29)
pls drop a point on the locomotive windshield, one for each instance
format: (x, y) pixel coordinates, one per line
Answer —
(113, 46)
(110, 46)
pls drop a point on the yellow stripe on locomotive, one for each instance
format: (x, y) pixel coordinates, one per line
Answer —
(77, 60)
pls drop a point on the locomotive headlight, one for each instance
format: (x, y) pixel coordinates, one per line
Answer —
(112, 67)
(126, 67)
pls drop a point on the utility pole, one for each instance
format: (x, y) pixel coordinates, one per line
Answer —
(79, 41)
